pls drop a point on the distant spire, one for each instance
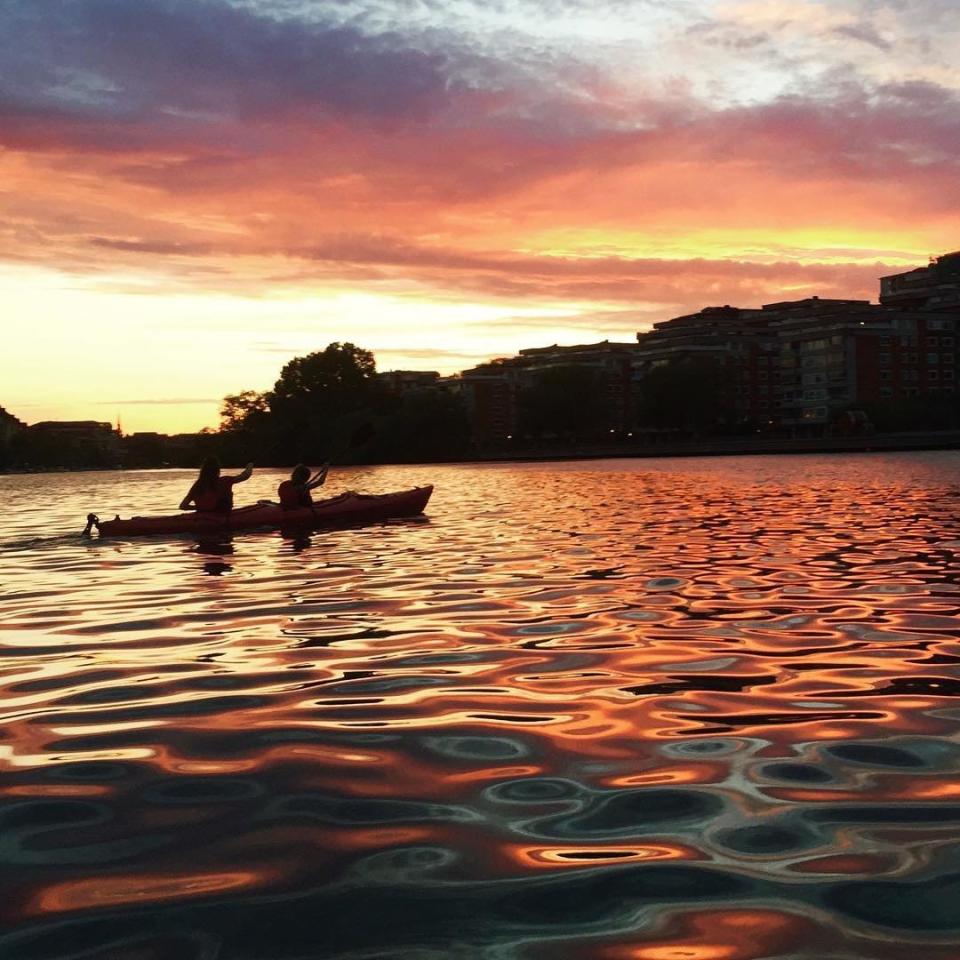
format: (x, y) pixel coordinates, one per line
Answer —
(119, 425)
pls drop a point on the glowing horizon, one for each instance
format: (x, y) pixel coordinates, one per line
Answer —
(194, 193)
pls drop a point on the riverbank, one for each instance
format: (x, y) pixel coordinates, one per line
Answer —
(704, 447)
(727, 446)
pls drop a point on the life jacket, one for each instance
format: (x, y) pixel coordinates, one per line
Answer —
(217, 499)
(292, 496)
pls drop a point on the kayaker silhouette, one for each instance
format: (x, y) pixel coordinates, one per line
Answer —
(212, 493)
(294, 493)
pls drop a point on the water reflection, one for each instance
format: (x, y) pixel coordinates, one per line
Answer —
(211, 548)
(715, 718)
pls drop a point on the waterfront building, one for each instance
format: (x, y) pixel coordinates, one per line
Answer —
(935, 286)
(9, 426)
(489, 392)
(493, 391)
(70, 443)
(804, 364)
(734, 338)
(794, 366)
(403, 381)
(612, 364)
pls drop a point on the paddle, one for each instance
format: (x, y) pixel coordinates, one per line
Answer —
(361, 435)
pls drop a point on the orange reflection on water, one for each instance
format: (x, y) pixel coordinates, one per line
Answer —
(95, 892)
(702, 772)
(377, 837)
(57, 790)
(704, 669)
(720, 935)
(594, 855)
(494, 773)
(849, 864)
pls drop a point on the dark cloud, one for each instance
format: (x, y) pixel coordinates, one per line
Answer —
(865, 33)
(182, 64)
(718, 33)
(629, 280)
(155, 247)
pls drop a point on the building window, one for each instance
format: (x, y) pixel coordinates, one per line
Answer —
(946, 341)
(911, 358)
(910, 392)
(886, 391)
(947, 375)
(933, 358)
(884, 341)
(932, 342)
(933, 374)
(886, 375)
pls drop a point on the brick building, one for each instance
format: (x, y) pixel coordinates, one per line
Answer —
(492, 391)
(933, 287)
(792, 365)
(803, 363)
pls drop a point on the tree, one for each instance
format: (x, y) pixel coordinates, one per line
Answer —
(687, 393)
(567, 400)
(244, 410)
(316, 395)
(10, 427)
(427, 425)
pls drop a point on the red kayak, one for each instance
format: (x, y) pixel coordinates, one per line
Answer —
(347, 509)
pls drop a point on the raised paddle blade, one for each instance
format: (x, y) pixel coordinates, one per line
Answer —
(363, 434)
(360, 435)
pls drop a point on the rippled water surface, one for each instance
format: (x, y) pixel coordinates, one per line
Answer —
(671, 710)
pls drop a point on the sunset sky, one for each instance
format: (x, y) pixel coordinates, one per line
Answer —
(194, 191)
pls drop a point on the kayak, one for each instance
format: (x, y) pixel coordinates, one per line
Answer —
(348, 508)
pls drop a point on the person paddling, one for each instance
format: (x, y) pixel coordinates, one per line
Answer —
(212, 493)
(294, 493)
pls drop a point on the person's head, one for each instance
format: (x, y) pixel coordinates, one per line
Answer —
(209, 472)
(301, 473)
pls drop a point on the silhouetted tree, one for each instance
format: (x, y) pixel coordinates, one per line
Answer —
(10, 428)
(427, 425)
(567, 400)
(316, 397)
(915, 413)
(688, 393)
(245, 410)
(247, 428)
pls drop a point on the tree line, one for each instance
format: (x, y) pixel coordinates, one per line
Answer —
(330, 405)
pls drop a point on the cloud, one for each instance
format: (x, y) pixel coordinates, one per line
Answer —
(151, 247)
(115, 73)
(260, 147)
(865, 33)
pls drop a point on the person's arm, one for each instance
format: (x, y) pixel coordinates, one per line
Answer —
(245, 475)
(319, 478)
(189, 501)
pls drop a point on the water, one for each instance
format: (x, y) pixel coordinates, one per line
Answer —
(670, 710)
